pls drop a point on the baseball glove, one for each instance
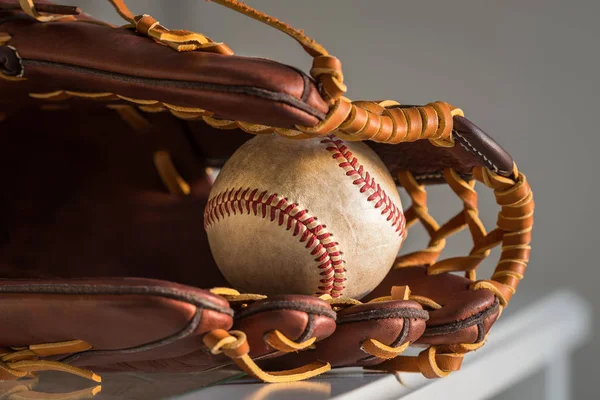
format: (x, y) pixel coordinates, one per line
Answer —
(109, 139)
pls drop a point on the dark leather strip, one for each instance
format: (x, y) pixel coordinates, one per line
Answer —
(307, 85)
(477, 142)
(383, 314)
(403, 334)
(480, 332)
(188, 330)
(468, 322)
(308, 331)
(111, 290)
(308, 82)
(279, 97)
(285, 305)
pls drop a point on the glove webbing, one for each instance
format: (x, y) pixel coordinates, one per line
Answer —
(513, 230)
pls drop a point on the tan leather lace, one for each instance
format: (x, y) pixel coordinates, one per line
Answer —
(385, 122)
(169, 175)
(235, 345)
(20, 362)
(48, 12)
(24, 389)
(513, 231)
(434, 362)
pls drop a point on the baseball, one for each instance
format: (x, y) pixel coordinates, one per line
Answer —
(319, 216)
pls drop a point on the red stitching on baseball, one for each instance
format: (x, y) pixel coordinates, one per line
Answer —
(318, 240)
(361, 177)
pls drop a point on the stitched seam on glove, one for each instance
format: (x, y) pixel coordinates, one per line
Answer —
(382, 314)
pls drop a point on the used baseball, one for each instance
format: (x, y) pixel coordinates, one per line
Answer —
(320, 216)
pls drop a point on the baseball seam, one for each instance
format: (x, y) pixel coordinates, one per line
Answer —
(278, 208)
(318, 239)
(367, 183)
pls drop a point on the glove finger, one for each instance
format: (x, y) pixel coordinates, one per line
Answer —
(298, 318)
(392, 323)
(120, 320)
(464, 315)
(194, 80)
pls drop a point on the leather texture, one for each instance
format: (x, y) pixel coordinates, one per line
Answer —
(298, 317)
(147, 319)
(109, 141)
(392, 323)
(466, 316)
(281, 95)
(427, 162)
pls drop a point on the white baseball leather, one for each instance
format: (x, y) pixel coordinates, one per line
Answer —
(318, 216)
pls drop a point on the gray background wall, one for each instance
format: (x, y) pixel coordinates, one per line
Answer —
(525, 71)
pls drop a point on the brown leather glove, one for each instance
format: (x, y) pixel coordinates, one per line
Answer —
(108, 138)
